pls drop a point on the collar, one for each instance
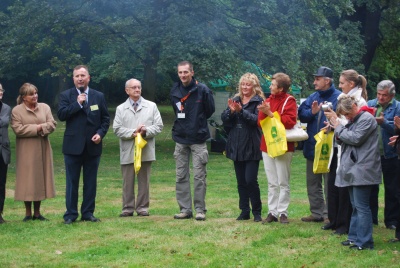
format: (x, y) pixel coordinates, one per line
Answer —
(328, 92)
(139, 101)
(86, 91)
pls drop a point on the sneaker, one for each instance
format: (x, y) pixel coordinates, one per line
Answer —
(283, 219)
(183, 215)
(270, 218)
(200, 216)
(311, 218)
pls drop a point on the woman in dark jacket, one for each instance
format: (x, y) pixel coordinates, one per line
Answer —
(243, 145)
(5, 152)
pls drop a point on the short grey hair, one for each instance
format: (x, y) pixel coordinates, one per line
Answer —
(387, 84)
(130, 80)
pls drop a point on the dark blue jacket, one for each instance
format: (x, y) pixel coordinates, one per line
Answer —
(387, 127)
(313, 125)
(83, 123)
(198, 107)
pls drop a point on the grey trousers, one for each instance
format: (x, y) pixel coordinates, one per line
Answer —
(183, 191)
(128, 191)
(315, 192)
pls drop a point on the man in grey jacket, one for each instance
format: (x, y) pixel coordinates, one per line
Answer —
(136, 115)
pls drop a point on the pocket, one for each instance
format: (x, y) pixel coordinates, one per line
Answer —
(353, 156)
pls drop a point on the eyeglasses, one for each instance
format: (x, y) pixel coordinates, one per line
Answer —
(2, 90)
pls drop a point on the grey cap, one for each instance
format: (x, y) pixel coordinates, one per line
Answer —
(324, 72)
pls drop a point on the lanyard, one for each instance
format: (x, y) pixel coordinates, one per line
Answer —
(185, 98)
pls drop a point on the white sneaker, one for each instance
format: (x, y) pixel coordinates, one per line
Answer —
(200, 216)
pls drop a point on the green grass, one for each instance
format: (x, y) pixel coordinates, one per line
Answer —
(161, 241)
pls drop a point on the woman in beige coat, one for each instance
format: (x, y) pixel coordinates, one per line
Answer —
(32, 122)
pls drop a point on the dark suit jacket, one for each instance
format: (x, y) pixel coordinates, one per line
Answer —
(83, 123)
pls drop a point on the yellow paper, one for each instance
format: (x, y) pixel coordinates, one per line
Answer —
(323, 152)
(94, 107)
(274, 135)
(137, 154)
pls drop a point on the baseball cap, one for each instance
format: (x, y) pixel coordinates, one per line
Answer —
(324, 71)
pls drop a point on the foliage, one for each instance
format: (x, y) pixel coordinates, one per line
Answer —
(41, 40)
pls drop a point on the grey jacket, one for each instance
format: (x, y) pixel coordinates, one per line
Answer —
(127, 120)
(4, 140)
(360, 159)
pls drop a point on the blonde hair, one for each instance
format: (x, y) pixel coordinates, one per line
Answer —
(345, 104)
(253, 79)
(358, 80)
(26, 90)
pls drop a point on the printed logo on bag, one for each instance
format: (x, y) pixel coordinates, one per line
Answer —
(274, 132)
(325, 149)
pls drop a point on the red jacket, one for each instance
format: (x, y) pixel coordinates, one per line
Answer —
(288, 117)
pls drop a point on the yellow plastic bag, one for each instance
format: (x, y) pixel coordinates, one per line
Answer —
(137, 153)
(274, 135)
(323, 152)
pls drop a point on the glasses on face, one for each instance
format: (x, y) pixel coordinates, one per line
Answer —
(2, 90)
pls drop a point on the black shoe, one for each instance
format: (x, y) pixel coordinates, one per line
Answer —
(1, 219)
(358, 247)
(40, 218)
(394, 240)
(328, 226)
(143, 214)
(27, 218)
(257, 218)
(91, 218)
(391, 227)
(68, 221)
(244, 216)
(348, 243)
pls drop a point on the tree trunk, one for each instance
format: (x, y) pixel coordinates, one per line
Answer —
(149, 86)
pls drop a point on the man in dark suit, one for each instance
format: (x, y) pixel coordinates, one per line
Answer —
(87, 121)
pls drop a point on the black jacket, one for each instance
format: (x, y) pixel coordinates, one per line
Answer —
(198, 107)
(244, 137)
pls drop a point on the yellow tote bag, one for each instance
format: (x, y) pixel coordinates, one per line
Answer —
(323, 152)
(274, 135)
(137, 153)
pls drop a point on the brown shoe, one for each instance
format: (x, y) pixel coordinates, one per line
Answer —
(126, 214)
(143, 214)
(311, 218)
(283, 219)
(270, 218)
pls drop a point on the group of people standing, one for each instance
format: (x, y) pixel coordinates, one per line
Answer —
(345, 199)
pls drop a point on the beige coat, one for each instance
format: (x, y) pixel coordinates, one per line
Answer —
(127, 120)
(34, 157)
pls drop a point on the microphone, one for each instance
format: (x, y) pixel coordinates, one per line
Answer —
(82, 90)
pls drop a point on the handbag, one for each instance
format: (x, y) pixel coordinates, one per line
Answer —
(297, 133)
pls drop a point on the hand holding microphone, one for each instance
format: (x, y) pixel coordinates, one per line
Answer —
(82, 96)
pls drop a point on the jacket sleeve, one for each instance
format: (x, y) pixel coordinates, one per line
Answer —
(305, 114)
(104, 118)
(250, 116)
(157, 125)
(359, 134)
(22, 130)
(208, 102)
(67, 109)
(388, 124)
(50, 125)
(119, 129)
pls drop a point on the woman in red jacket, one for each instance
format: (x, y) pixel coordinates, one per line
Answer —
(278, 168)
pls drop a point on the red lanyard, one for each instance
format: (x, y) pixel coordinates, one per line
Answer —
(184, 99)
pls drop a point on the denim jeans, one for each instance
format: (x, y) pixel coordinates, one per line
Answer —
(361, 221)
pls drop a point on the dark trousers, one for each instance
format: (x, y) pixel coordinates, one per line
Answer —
(397, 233)
(73, 165)
(389, 170)
(248, 188)
(3, 179)
(339, 205)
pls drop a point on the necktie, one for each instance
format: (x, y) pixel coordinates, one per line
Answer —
(135, 105)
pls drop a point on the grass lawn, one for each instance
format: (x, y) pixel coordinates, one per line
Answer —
(161, 241)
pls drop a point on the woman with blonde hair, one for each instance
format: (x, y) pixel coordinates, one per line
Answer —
(243, 144)
(32, 122)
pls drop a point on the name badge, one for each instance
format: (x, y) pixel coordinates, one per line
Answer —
(94, 107)
(181, 115)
